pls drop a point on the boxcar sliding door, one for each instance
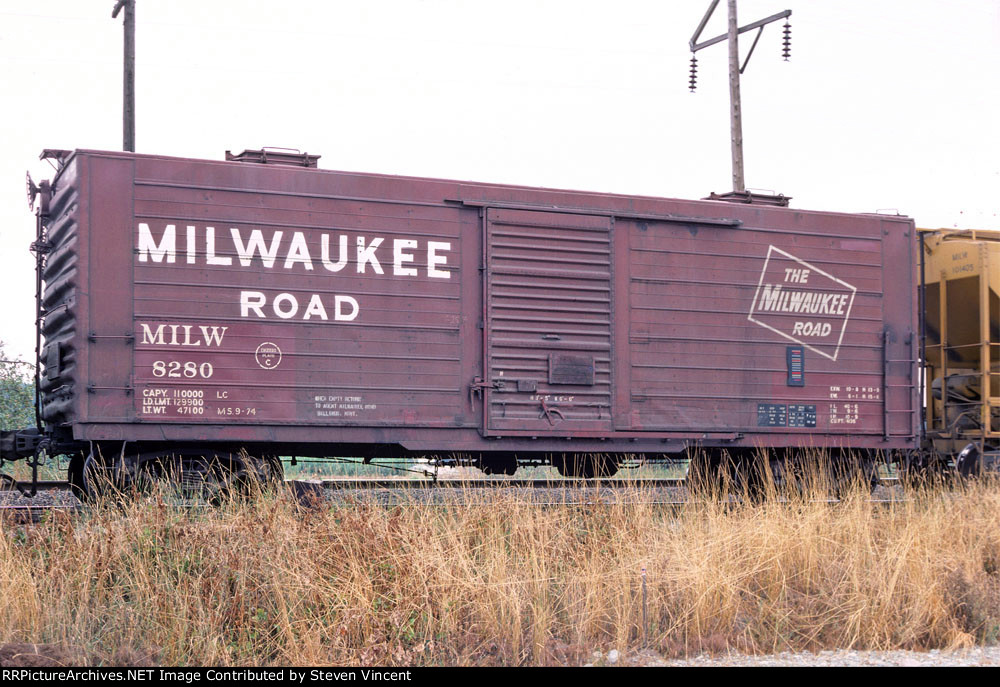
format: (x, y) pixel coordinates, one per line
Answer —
(548, 323)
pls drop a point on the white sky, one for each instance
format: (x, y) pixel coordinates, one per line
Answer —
(884, 104)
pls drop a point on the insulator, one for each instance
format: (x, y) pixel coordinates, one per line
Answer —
(693, 84)
(786, 50)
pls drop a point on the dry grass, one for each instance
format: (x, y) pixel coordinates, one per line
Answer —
(504, 581)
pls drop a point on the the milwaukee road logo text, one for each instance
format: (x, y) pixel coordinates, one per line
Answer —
(802, 303)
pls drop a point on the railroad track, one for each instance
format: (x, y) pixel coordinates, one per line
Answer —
(23, 514)
(496, 482)
(664, 492)
(49, 485)
(661, 492)
(553, 492)
(52, 496)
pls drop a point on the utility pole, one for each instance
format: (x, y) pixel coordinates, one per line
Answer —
(128, 87)
(735, 107)
(735, 69)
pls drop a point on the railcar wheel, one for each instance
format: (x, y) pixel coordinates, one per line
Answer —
(787, 475)
(854, 472)
(255, 474)
(753, 478)
(921, 468)
(210, 476)
(833, 475)
(90, 478)
(968, 463)
(913, 468)
(720, 476)
(706, 476)
(78, 475)
(187, 477)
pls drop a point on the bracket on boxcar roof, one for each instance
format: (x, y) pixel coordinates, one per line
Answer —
(60, 156)
(269, 155)
(751, 197)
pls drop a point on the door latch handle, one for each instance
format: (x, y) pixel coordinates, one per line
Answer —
(476, 389)
(548, 412)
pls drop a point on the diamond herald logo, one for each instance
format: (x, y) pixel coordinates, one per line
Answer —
(802, 303)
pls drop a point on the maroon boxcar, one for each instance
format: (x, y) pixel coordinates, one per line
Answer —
(292, 310)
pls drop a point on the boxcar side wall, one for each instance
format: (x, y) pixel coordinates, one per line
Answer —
(242, 303)
(768, 329)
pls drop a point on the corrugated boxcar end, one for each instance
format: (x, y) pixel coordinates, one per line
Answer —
(60, 356)
(333, 313)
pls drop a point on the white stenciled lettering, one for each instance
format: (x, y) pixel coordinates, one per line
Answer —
(399, 257)
(796, 275)
(796, 299)
(213, 337)
(812, 328)
(210, 256)
(433, 259)
(290, 250)
(187, 337)
(149, 249)
(341, 256)
(149, 337)
(256, 244)
(299, 252)
(315, 308)
(285, 305)
(769, 297)
(366, 255)
(773, 298)
(339, 313)
(181, 335)
(252, 300)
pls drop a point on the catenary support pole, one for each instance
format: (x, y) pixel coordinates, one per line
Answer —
(128, 86)
(731, 37)
(735, 107)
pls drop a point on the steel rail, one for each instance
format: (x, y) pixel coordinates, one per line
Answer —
(24, 514)
(571, 482)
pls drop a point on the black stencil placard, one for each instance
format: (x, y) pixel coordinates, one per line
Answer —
(801, 415)
(772, 415)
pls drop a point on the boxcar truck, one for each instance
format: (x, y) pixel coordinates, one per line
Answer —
(206, 312)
